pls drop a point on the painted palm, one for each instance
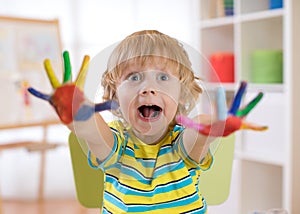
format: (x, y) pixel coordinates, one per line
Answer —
(228, 121)
(68, 98)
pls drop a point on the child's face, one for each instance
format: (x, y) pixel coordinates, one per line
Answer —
(148, 96)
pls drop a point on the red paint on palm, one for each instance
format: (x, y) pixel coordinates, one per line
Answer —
(66, 101)
(223, 127)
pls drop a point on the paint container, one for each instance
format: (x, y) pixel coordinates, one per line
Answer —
(223, 67)
(267, 66)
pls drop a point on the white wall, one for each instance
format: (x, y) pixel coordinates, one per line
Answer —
(87, 26)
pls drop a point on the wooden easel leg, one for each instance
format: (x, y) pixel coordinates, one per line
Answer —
(42, 177)
(42, 168)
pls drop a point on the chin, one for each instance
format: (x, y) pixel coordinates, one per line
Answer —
(152, 128)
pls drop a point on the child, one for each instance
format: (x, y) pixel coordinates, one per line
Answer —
(151, 164)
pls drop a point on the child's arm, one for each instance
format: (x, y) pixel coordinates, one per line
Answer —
(75, 111)
(202, 130)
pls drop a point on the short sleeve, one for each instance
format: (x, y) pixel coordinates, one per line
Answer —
(207, 161)
(204, 164)
(112, 158)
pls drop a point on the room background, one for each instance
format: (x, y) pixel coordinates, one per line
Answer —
(86, 27)
(89, 26)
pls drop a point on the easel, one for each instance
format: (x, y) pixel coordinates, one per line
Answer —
(41, 146)
(17, 68)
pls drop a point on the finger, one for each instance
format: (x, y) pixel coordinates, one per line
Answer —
(238, 98)
(108, 105)
(84, 113)
(68, 70)
(253, 127)
(250, 106)
(82, 73)
(39, 94)
(189, 123)
(51, 75)
(221, 104)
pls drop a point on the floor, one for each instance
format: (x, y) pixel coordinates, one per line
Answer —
(47, 207)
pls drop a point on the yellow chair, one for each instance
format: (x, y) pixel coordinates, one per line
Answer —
(215, 183)
(88, 181)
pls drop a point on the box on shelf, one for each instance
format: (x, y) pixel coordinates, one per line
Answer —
(223, 67)
(274, 4)
(267, 66)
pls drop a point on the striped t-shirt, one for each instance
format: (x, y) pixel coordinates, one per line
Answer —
(160, 178)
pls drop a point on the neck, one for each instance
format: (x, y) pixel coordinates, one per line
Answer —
(151, 139)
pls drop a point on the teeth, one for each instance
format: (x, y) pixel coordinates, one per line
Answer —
(155, 114)
(149, 111)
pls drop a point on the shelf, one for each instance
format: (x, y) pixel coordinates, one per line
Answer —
(275, 160)
(226, 86)
(217, 22)
(265, 159)
(262, 186)
(266, 88)
(261, 15)
(230, 20)
(273, 88)
(268, 36)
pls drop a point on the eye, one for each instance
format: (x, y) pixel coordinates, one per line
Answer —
(163, 77)
(135, 77)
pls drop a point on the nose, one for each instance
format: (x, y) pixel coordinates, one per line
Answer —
(149, 85)
(148, 91)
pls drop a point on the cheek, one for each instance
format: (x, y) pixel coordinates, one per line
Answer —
(172, 108)
(126, 89)
(125, 99)
(173, 94)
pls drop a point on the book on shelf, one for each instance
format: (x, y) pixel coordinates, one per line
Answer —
(221, 8)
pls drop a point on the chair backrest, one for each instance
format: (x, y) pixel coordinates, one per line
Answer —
(214, 183)
(88, 181)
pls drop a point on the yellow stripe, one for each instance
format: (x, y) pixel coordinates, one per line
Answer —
(178, 209)
(156, 198)
(129, 181)
(114, 209)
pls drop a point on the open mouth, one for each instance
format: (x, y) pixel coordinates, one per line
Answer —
(149, 112)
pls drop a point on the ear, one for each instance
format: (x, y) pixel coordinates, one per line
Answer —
(183, 105)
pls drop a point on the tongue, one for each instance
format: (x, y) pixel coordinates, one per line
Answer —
(149, 112)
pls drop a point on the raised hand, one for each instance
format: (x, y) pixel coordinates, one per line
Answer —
(227, 121)
(68, 98)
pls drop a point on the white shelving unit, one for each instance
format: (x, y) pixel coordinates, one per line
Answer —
(268, 163)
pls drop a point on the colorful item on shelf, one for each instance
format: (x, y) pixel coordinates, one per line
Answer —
(229, 7)
(233, 121)
(223, 67)
(68, 97)
(275, 4)
(267, 66)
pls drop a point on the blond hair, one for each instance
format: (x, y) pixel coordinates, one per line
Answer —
(144, 47)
